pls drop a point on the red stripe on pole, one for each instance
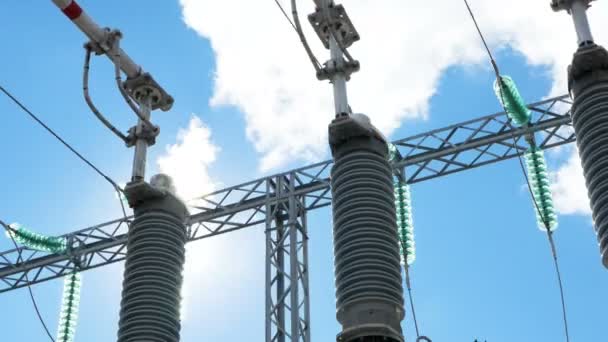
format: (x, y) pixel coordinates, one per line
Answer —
(72, 11)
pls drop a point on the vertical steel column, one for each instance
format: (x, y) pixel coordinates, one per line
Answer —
(275, 266)
(287, 291)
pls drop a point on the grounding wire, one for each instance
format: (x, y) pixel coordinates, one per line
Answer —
(543, 218)
(286, 15)
(87, 97)
(295, 23)
(122, 90)
(33, 299)
(298, 27)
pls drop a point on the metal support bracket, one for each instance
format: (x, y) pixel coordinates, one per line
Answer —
(73, 246)
(145, 85)
(139, 86)
(330, 69)
(103, 47)
(344, 28)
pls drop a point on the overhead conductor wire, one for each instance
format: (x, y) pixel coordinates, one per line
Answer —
(409, 291)
(295, 24)
(29, 288)
(68, 146)
(544, 219)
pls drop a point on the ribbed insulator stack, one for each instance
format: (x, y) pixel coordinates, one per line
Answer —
(37, 241)
(151, 294)
(518, 112)
(68, 315)
(588, 82)
(153, 278)
(369, 294)
(511, 100)
(541, 189)
(69, 308)
(405, 224)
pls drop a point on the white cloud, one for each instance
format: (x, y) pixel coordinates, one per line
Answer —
(405, 46)
(208, 282)
(568, 187)
(187, 161)
(263, 71)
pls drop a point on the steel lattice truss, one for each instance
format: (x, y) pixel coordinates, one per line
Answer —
(425, 156)
(287, 294)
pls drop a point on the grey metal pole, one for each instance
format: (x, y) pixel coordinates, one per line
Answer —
(578, 10)
(280, 278)
(581, 24)
(338, 79)
(141, 144)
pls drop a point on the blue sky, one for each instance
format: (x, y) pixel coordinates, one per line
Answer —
(483, 268)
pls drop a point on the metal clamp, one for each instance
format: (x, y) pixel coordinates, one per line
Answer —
(145, 132)
(105, 45)
(330, 68)
(73, 245)
(346, 32)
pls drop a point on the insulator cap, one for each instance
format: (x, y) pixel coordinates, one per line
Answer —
(565, 5)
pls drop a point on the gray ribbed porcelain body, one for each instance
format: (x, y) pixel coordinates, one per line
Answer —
(588, 78)
(369, 292)
(150, 306)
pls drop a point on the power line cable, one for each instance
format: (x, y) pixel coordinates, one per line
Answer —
(33, 299)
(300, 32)
(286, 15)
(494, 65)
(68, 146)
(297, 27)
(544, 219)
(117, 188)
(409, 291)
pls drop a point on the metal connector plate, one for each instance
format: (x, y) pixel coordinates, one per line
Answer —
(345, 31)
(145, 85)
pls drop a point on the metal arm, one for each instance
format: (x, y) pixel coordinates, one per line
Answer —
(102, 39)
(98, 35)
